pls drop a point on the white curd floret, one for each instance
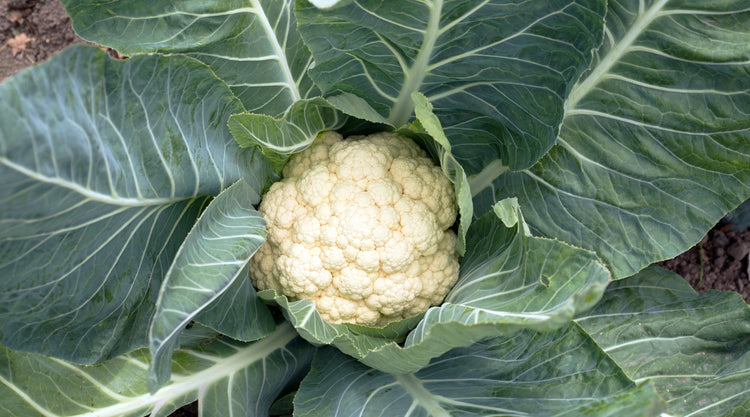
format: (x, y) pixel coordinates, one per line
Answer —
(361, 228)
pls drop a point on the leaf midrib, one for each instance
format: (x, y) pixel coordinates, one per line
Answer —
(224, 367)
(278, 50)
(615, 54)
(421, 396)
(90, 194)
(415, 76)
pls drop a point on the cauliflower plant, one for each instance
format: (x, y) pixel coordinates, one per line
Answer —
(361, 228)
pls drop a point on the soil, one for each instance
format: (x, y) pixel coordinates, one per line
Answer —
(718, 261)
(31, 31)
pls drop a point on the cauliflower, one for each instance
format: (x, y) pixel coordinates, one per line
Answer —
(361, 228)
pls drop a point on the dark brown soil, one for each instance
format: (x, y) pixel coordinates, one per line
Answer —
(30, 32)
(190, 410)
(34, 30)
(719, 261)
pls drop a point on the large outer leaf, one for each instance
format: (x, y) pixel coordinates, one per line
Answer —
(105, 165)
(211, 259)
(655, 144)
(252, 45)
(740, 217)
(693, 347)
(497, 71)
(561, 373)
(222, 375)
(508, 282)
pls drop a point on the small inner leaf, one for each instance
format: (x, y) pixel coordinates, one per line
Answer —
(278, 139)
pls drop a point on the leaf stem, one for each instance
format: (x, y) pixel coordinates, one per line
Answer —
(484, 179)
(197, 382)
(414, 77)
(413, 386)
(278, 51)
(615, 54)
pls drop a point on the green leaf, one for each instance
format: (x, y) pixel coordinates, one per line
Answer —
(34, 385)
(236, 312)
(106, 165)
(655, 143)
(295, 131)
(357, 106)
(498, 72)
(213, 256)
(561, 373)
(252, 45)
(453, 170)
(739, 218)
(508, 211)
(693, 348)
(508, 282)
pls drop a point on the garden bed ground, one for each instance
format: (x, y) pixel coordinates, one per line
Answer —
(30, 32)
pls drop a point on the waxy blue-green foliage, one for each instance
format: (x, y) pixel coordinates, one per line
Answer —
(586, 140)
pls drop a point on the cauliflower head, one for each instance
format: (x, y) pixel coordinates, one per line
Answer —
(361, 228)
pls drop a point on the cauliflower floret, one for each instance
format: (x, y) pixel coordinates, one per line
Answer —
(304, 279)
(360, 227)
(316, 154)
